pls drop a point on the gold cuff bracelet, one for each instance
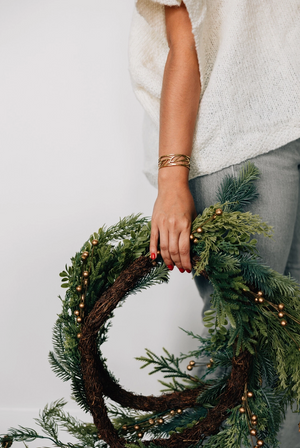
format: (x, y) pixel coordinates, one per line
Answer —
(174, 160)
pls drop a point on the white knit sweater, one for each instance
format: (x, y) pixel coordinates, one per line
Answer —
(249, 59)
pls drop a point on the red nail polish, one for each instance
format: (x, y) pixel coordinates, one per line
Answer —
(188, 271)
(153, 256)
(170, 267)
(181, 270)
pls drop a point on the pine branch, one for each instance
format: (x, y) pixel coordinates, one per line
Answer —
(169, 364)
(241, 191)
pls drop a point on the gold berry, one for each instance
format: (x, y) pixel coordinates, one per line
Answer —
(79, 335)
(280, 314)
(261, 300)
(214, 216)
(211, 360)
(124, 427)
(260, 443)
(189, 367)
(250, 394)
(254, 417)
(85, 253)
(151, 421)
(160, 421)
(199, 230)
(85, 282)
(179, 411)
(242, 410)
(99, 436)
(256, 299)
(76, 313)
(260, 293)
(136, 427)
(192, 363)
(158, 252)
(95, 242)
(172, 412)
(191, 236)
(208, 365)
(195, 241)
(253, 432)
(79, 288)
(244, 398)
(281, 306)
(81, 305)
(79, 319)
(283, 323)
(140, 435)
(85, 274)
(219, 212)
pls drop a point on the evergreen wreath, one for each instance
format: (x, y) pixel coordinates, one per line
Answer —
(253, 341)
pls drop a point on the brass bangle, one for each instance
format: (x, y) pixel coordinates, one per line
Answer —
(174, 160)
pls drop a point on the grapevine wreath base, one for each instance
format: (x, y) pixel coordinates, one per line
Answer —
(98, 382)
(253, 343)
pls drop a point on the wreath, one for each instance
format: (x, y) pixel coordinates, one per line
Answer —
(253, 343)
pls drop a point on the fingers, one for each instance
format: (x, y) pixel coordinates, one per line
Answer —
(174, 246)
(174, 249)
(154, 240)
(179, 247)
(184, 250)
(164, 247)
(171, 226)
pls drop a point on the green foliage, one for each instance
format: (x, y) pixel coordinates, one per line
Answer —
(240, 191)
(170, 366)
(138, 444)
(51, 419)
(210, 396)
(229, 233)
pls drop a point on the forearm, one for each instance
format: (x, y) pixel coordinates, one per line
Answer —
(179, 97)
(179, 102)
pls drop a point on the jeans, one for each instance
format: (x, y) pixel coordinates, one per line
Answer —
(279, 205)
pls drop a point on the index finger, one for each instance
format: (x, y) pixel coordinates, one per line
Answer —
(153, 241)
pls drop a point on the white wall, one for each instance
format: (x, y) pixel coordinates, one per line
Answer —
(71, 160)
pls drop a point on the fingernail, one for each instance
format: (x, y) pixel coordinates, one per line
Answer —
(170, 267)
(181, 270)
(153, 256)
(188, 271)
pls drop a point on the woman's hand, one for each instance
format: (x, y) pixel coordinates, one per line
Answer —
(173, 213)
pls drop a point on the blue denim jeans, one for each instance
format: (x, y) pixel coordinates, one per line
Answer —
(279, 205)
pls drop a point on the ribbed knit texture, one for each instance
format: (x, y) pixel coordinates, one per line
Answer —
(249, 59)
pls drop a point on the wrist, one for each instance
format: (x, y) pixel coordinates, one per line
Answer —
(173, 177)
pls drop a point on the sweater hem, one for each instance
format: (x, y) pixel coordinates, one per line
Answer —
(203, 170)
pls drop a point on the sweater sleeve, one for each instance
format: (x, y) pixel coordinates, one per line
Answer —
(153, 11)
(148, 48)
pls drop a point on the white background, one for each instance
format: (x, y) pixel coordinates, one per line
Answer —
(71, 160)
